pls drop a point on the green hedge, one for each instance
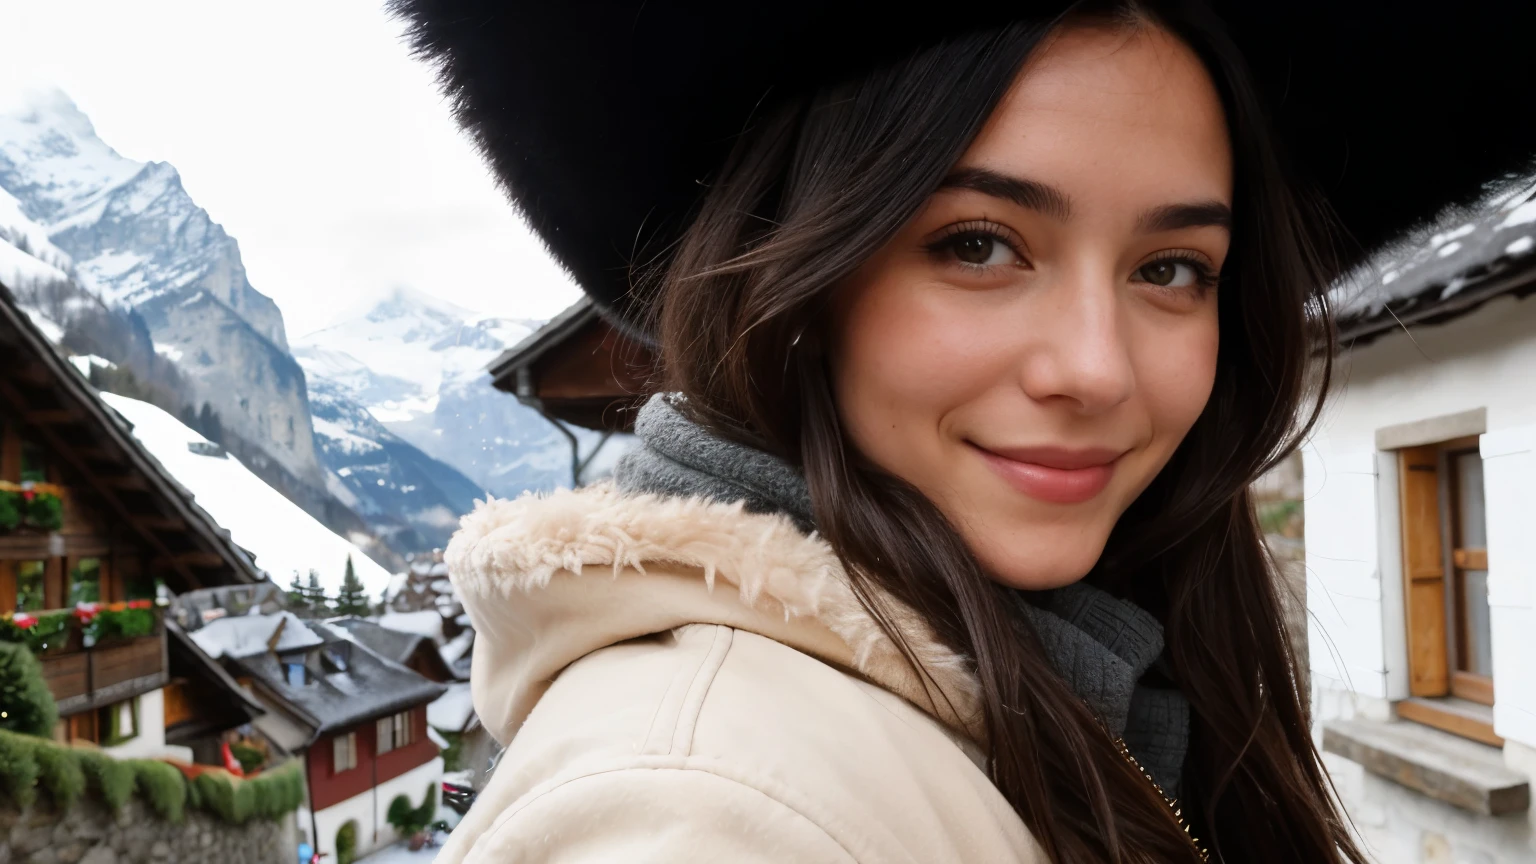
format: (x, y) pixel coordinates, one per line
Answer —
(346, 843)
(266, 796)
(68, 773)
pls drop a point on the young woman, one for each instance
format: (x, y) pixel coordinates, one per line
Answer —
(939, 546)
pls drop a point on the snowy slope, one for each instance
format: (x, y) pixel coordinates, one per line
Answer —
(418, 365)
(132, 237)
(26, 254)
(284, 539)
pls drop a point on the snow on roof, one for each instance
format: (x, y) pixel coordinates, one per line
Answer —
(453, 709)
(397, 584)
(1419, 275)
(245, 635)
(426, 623)
(457, 647)
(284, 539)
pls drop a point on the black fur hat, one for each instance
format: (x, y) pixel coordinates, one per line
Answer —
(604, 119)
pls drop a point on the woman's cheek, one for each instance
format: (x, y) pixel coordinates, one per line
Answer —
(926, 346)
(1176, 371)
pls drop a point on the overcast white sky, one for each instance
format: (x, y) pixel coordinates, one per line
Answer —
(306, 130)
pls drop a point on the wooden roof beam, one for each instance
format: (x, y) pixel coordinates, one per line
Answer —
(131, 481)
(105, 490)
(194, 559)
(160, 523)
(50, 416)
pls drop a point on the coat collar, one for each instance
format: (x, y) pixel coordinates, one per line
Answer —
(549, 579)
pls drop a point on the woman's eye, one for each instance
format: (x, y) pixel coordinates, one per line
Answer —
(981, 250)
(1171, 273)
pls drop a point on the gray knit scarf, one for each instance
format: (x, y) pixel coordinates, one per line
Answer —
(1101, 645)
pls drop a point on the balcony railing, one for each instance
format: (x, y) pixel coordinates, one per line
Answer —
(124, 658)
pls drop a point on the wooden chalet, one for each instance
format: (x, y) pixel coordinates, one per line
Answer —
(93, 535)
(357, 719)
(578, 370)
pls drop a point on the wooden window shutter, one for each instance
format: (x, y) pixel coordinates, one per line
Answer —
(1423, 571)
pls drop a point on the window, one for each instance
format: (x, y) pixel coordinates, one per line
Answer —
(395, 731)
(115, 723)
(1445, 573)
(297, 674)
(34, 465)
(84, 581)
(336, 656)
(385, 730)
(344, 752)
(142, 587)
(29, 585)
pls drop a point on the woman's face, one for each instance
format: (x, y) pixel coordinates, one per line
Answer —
(1032, 347)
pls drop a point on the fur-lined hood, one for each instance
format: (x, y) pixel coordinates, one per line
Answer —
(547, 580)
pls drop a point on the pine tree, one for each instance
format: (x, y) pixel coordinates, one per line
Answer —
(208, 423)
(319, 604)
(29, 707)
(353, 599)
(298, 596)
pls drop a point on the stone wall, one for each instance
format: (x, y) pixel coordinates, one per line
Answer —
(89, 834)
(1278, 497)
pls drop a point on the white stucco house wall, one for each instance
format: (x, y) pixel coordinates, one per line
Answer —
(1434, 397)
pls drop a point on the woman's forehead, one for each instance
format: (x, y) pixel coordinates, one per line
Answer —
(1107, 115)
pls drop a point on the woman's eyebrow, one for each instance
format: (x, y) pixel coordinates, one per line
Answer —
(1029, 194)
(1197, 214)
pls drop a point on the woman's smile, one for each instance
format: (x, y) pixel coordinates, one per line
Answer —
(1055, 475)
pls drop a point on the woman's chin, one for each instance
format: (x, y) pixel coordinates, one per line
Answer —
(1043, 572)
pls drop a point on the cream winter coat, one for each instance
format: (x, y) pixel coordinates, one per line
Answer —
(683, 681)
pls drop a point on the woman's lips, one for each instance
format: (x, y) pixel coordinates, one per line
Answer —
(1054, 475)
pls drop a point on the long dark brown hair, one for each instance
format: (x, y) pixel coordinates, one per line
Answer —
(813, 189)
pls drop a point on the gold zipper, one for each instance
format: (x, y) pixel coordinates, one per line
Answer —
(1173, 805)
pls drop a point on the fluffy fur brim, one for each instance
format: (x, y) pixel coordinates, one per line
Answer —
(510, 547)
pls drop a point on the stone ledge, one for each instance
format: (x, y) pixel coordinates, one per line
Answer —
(1464, 773)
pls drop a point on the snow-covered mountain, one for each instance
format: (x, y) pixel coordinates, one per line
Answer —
(410, 499)
(135, 239)
(113, 258)
(417, 364)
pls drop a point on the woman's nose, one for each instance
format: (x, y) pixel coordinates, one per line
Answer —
(1079, 351)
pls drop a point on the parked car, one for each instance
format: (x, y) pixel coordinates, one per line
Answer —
(458, 797)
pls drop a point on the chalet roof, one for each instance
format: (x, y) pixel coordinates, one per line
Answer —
(51, 395)
(247, 635)
(348, 683)
(578, 370)
(187, 658)
(1474, 256)
(504, 368)
(391, 644)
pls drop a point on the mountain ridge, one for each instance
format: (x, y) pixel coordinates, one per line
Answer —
(384, 421)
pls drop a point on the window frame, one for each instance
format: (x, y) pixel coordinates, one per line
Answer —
(1461, 559)
(1434, 565)
(384, 733)
(344, 752)
(402, 724)
(394, 732)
